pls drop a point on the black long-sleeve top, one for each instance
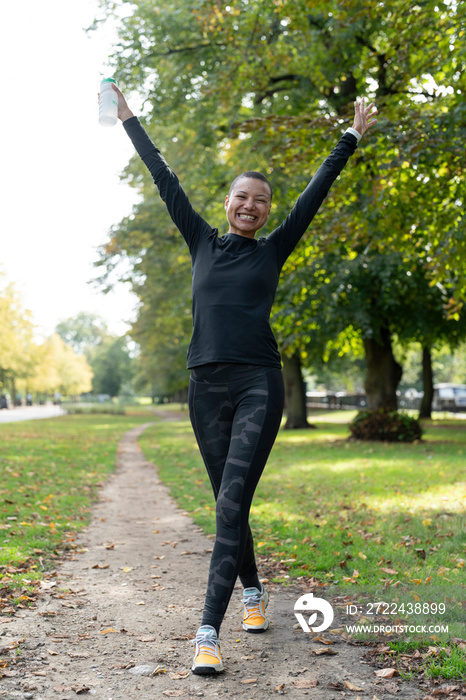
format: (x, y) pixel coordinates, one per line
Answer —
(235, 278)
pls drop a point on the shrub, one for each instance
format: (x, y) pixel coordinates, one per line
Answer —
(389, 426)
(95, 409)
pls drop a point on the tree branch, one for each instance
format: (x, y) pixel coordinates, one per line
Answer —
(183, 49)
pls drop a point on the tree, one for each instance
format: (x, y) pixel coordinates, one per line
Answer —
(280, 97)
(83, 331)
(111, 364)
(58, 369)
(16, 336)
(108, 355)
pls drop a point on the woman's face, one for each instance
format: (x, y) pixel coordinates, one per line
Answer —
(248, 206)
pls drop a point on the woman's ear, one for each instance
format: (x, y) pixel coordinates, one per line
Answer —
(227, 199)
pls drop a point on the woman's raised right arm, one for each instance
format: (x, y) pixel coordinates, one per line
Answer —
(191, 225)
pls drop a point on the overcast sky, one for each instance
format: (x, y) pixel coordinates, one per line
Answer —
(60, 190)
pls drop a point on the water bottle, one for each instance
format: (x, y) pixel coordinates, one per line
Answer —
(108, 103)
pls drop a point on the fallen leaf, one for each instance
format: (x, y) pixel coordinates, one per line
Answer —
(11, 645)
(446, 690)
(39, 673)
(328, 650)
(361, 555)
(280, 687)
(52, 652)
(391, 688)
(108, 630)
(390, 572)
(248, 658)
(127, 569)
(305, 683)
(173, 693)
(323, 640)
(335, 686)
(249, 680)
(179, 676)
(101, 566)
(386, 672)
(146, 638)
(351, 686)
(141, 602)
(61, 688)
(47, 585)
(434, 651)
(158, 670)
(80, 691)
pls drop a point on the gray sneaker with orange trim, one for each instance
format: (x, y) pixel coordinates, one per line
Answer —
(255, 603)
(207, 659)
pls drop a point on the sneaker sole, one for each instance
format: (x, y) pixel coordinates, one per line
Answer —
(207, 670)
(256, 630)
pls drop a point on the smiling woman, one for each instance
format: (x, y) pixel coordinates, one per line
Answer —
(236, 392)
(248, 203)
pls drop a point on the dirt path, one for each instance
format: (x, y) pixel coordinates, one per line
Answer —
(117, 617)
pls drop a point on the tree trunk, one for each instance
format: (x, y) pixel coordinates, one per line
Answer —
(428, 382)
(295, 394)
(383, 373)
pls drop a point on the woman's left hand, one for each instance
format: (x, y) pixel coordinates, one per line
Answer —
(363, 116)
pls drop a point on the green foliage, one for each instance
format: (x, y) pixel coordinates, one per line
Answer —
(270, 87)
(111, 364)
(450, 663)
(27, 366)
(95, 409)
(82, 331)
(387, 426)
(16, 337)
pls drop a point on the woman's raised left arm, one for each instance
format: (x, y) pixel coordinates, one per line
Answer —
(287, 235)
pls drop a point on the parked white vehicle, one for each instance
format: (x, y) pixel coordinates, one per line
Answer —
(449, 397)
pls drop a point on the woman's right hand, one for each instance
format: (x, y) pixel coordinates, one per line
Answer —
(124, 111)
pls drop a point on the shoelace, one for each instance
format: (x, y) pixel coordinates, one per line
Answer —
(252, 605)
(207, 645)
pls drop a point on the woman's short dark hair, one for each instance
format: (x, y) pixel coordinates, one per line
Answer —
(255, 175)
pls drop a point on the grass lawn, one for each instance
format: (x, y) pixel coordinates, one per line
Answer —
(379, 522)
(49, 474)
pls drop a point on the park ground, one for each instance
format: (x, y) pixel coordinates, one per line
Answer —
(108, 608)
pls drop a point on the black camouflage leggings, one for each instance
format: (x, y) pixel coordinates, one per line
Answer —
(235, 411)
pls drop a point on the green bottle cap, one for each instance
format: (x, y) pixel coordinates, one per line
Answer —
(108, 80)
